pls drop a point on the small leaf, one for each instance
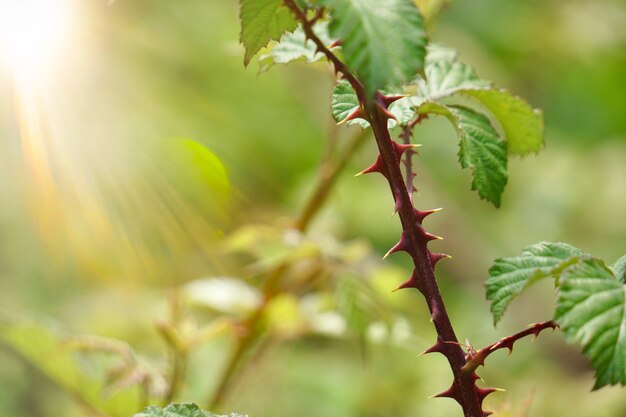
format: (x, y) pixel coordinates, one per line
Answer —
(295, 47)
(344, 102)
(591, 312)
(481, 149)
(261, 22)
(445, 75)
(522, 125)
(383, 41)
(619, 268)
(179, 410)
(508, 277)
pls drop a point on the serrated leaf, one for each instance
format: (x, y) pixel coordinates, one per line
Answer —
(445, 74)
(179, 410)
(383, 41)
(508, 277)
(447, 77)
(481, 149)
(261, 22)
(294, 46)
(619, 268)
(522, 125)
(591, 312)
(344, 102)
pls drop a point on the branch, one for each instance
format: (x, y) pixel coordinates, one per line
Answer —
(476, 359)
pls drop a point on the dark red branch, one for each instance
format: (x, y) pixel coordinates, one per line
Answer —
(476, 359)
(414, 239)
(340, 67)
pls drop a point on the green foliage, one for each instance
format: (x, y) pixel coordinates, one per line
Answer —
(383, 41)
(344, 101)
(295, 47)
(261, 22)
(481, 148)
(591, 301)
(508, 277)
(522, 125)
(448, 78)
(619, 268)
(591, 312)
(179, 410)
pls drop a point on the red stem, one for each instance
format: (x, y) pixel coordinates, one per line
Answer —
(414, 239)
(477, 359)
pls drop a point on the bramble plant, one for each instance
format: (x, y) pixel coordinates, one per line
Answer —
(388, 79)
(389, 76)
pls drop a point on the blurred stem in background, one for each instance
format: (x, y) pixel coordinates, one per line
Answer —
(250, 334)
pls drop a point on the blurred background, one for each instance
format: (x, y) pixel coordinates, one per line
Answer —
(148, 182)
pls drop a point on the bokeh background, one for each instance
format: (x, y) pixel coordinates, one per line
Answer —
(147, 180)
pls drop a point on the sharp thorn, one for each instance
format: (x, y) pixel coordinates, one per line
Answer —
(356, 114)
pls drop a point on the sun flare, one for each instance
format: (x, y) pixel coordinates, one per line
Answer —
(33, 34)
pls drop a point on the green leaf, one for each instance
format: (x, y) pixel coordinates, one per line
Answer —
(179, 410)
(344, 101)
(522, 125)
(261, 22)
(383, 41)
(591, 312)
(508, 277)
(52, 355)
(619, 268)
(481, 149)
(447, 77)
(294, 47)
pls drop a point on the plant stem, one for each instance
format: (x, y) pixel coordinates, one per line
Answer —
(478, 358)
(327, 179)
(414, 239)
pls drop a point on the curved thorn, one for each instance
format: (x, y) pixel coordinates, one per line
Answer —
(436, 257)
(375, 167)
(398, 247)
(356, 114)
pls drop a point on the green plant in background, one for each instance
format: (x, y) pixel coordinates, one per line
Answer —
(389, 80)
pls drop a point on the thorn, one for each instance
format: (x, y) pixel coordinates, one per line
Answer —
(398, 247)
(375, 167)
(451, 392)
(430, 236)
(400, 148)
(436, 348)
(421, 215)
(436, 257)
(484, 392)
(388, 100)
(335, 44)
(385, 112)
(487, 413)
(356, 114)
(409, 283)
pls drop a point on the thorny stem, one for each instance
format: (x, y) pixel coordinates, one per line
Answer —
(415, 242)
(477, 358)
(414, 239)
(328, 178)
